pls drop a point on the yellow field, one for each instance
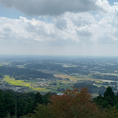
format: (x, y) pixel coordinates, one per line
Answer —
(68, 66)
(63, 76)
(14, 82)
(75, 78)
(0, 64)
(20, 66)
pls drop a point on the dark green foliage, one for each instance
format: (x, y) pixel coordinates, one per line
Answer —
(109, 99)
(38, 98)
(42, 111)
(46, 98)
(2, 107)
(19, 104)
(109, 96)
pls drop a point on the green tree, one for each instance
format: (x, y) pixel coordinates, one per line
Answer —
(3, 111)
(109, 96)
(42, 111)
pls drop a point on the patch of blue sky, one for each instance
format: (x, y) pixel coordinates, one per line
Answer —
(14, 13)
(9, 12)
(112, 1)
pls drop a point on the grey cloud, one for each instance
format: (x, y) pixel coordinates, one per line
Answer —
(51, 7)
(67, 34)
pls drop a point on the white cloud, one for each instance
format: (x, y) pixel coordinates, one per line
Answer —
(85, 33)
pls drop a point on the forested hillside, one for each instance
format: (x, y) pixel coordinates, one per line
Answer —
(70, 104)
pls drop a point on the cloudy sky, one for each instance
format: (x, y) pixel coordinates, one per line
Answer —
(59, 27)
